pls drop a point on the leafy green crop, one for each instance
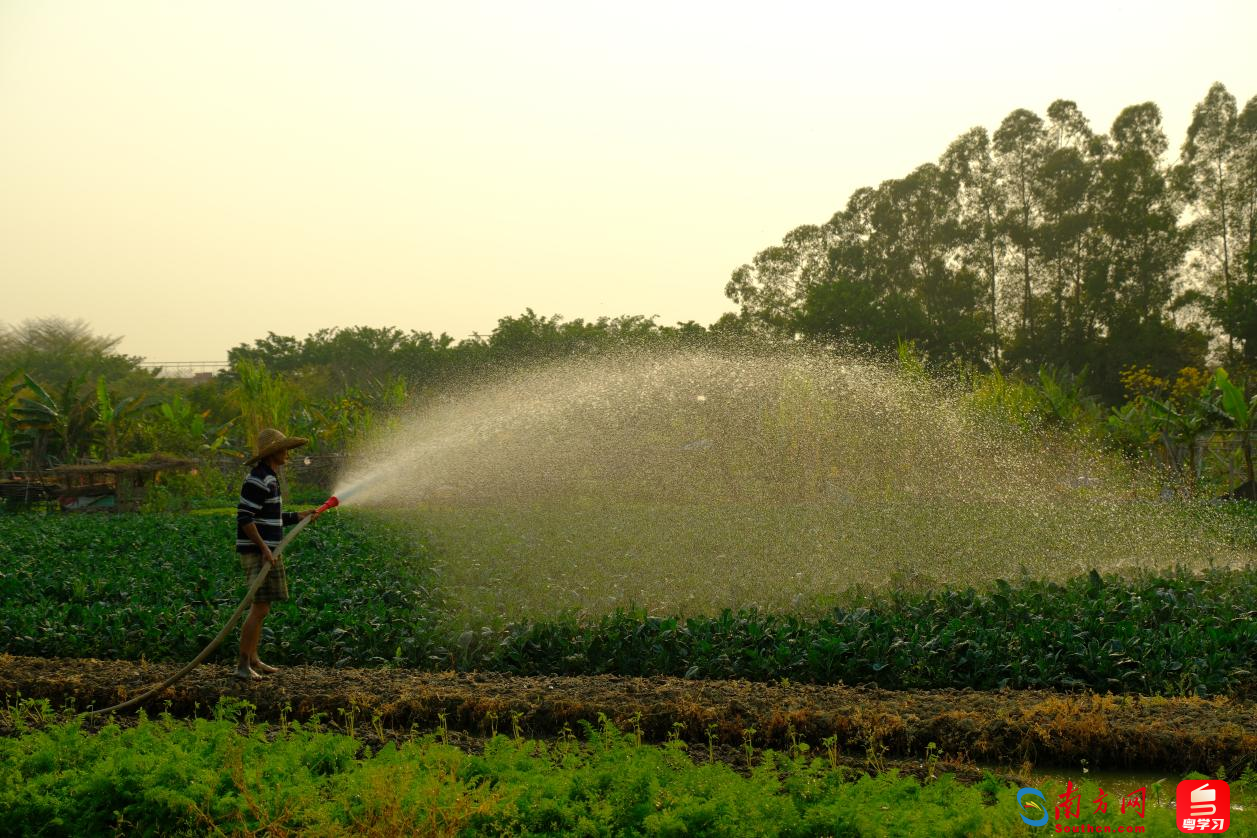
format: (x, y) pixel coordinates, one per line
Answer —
(159, 587)
(1178, 634)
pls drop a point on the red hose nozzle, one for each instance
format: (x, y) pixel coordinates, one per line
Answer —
(327, 504)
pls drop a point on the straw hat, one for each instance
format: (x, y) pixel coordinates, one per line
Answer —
(271, 441)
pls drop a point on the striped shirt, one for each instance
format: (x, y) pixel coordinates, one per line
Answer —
(260, 503)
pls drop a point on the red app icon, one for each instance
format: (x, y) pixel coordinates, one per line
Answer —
(1202, 806)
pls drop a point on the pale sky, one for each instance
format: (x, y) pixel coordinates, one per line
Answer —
(192, 175)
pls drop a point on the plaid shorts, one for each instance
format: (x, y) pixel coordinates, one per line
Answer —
(274, 587)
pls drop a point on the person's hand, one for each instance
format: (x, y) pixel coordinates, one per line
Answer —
(306, 514)
(268, 556)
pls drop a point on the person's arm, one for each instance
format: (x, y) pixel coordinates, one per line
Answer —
(290, 518)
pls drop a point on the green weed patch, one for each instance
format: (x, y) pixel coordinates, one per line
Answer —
(228, 774)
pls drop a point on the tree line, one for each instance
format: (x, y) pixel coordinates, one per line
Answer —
(68, 395)
(339, 357)
(1041, 244)
(73, 398)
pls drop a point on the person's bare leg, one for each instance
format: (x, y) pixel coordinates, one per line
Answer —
(250, 633)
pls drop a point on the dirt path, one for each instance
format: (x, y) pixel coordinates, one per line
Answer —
(1007, 727)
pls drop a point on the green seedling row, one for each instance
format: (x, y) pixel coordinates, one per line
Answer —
(226, 774)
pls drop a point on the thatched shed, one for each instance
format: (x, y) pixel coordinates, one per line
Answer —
(117, 486)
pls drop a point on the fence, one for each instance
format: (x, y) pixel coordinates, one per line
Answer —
(185, 369)
(311, 471)
(1216, 456)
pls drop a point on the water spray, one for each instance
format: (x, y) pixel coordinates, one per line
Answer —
(330, 503)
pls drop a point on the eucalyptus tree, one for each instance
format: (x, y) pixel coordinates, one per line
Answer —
(1142, 253)
(1070, 242)
(979, 207)
(898, 270)
(849, 304)
(1246, 192)
(1019, 150)
(770, 287)
(873, 263)
(948, 292)
(862, 297)
(1236, 314)
(1209, 177)
(1064, 189)
(1139, 216)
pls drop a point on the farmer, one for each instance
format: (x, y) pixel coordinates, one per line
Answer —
(260, 526)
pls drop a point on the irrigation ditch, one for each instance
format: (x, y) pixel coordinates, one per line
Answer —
(1015, 729)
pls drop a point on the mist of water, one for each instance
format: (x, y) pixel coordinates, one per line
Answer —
(693, 480)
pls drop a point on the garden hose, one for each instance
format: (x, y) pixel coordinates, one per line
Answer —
(231, 622)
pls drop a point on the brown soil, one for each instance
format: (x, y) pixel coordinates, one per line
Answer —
(1010, 728)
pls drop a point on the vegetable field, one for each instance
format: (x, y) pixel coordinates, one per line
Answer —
(225, 773)
(158, 587)
(880, 714)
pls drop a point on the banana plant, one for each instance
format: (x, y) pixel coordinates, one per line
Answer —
(334, 424)
(1063, 397)
(9, 387)
(1181, 430)
(189, 429)
(111, 416)
(264, 399)
(1135, 427)
(1235, 411)
(61, 426)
